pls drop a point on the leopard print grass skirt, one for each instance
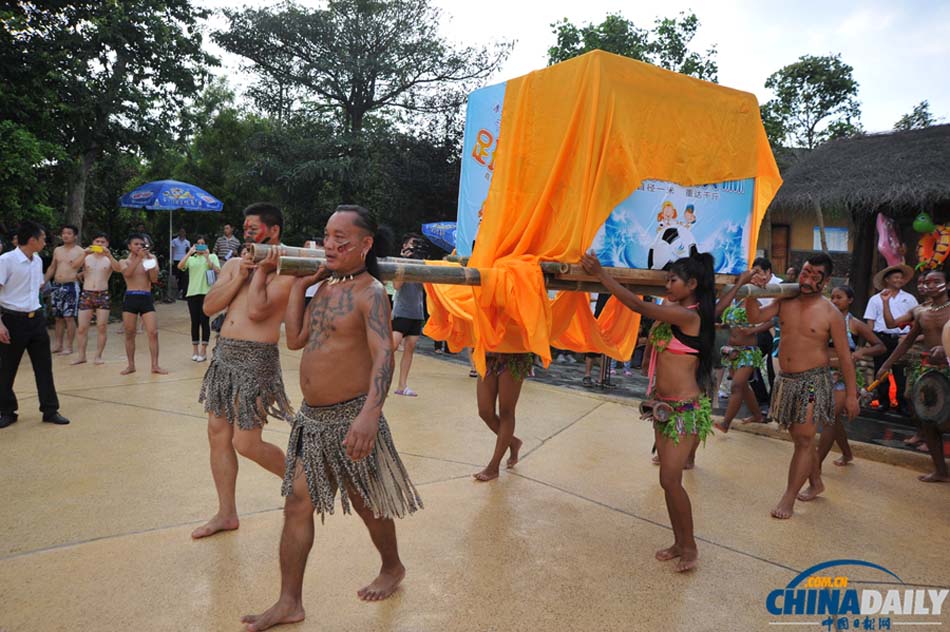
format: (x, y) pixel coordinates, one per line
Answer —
(316, 442)
(244, 384)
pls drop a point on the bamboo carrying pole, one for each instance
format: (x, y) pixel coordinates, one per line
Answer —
(645, 282)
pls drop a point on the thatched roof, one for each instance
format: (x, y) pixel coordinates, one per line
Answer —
(901, 171)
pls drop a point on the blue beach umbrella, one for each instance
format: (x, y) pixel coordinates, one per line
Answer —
(171, 195)
(442, 234)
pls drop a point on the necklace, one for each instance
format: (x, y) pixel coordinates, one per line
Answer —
(937, 308)
(343, 278)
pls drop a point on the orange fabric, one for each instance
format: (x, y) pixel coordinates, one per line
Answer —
(576, 139)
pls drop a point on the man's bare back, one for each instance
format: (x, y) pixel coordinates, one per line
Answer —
(67, 260)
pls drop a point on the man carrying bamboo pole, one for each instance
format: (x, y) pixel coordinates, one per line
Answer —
(802, 395)
(243, 384)
(340, 440)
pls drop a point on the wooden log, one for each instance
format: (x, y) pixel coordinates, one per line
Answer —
(772, 290)
(547, 267)
(259, 252)
(412, 271)
(409, 270)
(634, 276)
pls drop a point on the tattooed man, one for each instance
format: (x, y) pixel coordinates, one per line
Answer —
(243, 383)
(340, 440)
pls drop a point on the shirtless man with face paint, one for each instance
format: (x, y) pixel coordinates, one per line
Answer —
(340, 442)
(802, 396)
(929, 321)
(243, 383)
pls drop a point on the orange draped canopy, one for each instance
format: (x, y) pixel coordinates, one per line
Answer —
(576, 139)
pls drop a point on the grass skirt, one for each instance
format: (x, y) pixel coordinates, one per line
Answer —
(244, 384)
(380, 479)
(792, 393)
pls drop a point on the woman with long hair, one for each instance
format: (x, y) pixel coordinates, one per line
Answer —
(679, 374)
(842, 297)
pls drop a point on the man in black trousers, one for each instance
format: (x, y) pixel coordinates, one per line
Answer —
(23, 326)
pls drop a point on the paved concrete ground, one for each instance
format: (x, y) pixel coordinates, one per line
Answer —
(94, 532)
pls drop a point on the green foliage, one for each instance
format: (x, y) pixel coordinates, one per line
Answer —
(23, 161)
(97, 76)
(919, 118)
(815, 100)
(356, 57)
(665, 45)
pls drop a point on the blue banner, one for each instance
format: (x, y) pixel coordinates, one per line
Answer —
(661, 222)
(482, 124)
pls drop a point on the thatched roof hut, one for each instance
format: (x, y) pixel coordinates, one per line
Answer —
(899, 174)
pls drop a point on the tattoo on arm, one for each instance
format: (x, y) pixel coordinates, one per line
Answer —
(384, 377)
(378, 317)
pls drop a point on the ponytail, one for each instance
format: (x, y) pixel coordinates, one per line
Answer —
(701, 267)
(382, 236)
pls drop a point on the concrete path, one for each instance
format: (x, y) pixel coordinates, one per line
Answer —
(96, 516)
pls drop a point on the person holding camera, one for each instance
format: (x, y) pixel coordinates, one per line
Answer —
(202, 267)
(408, 313)
(179, 251)
(140, 270)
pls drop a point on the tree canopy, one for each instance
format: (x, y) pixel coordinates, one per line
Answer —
(815, 100)
(665, 45)
(919, 118)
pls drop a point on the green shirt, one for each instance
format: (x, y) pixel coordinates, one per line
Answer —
(197, 266)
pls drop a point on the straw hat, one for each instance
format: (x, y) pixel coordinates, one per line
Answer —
(903, 268)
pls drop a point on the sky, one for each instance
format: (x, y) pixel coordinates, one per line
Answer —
(900, 52)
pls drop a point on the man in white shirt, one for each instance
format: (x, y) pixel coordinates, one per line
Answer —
(891, 278)
(763, 275)
(23, 326)
(179, 251)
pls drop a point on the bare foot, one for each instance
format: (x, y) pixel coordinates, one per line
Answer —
(655, 460)
(812, 492)
(665, 555)
(127, 370)
(689, 465)
(513, 448)
(753, 420)
(783, 510)
(933, 478)
(66, 352)
(215, 525)
(79, 360)
(383, 586)
(280, 613)
(913, 440)
(842, 461)
(486, 475)
(159, 370)
(57, 350)
(721, 426)
(98, 361)
(688, 561)
(922, 447)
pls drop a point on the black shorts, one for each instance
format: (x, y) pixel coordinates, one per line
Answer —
(408, 326)
(138, 303)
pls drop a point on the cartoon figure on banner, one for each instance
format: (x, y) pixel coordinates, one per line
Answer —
(674, 239)
(934, 247)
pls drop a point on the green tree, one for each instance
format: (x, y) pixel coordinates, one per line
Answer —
(95, 76)
(665, 45)
(918, 119)
(24, 161)
(360, 56)
(815, 100)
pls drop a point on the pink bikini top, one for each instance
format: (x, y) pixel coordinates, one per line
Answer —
(674, 345)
